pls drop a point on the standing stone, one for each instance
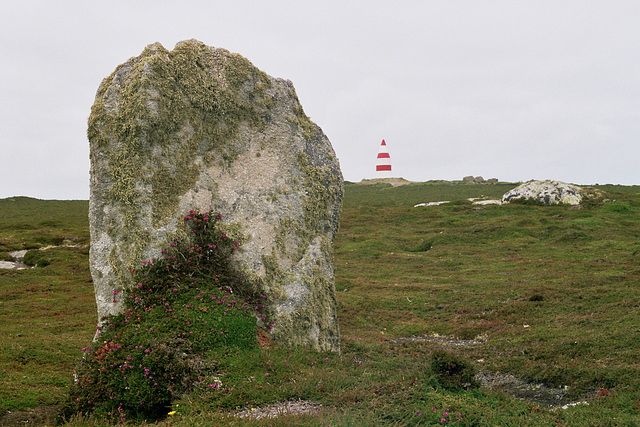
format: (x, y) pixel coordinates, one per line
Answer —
(202, 128)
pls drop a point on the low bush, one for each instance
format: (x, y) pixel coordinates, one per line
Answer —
(423, 246)
(36, 258)
(184, 314)
(452, 372)
(618, 207)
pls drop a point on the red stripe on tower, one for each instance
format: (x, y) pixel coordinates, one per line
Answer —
(383, 163)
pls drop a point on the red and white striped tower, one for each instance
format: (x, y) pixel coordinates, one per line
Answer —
(383, 164)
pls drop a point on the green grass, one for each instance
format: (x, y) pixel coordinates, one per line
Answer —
(554, 292)
(45, 313)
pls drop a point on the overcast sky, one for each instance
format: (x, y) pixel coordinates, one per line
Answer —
(511, 89)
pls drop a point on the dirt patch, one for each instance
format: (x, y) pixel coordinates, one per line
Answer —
(441, 340)
(264, 339)
(538, 394)
(38, 416)
(298, 407)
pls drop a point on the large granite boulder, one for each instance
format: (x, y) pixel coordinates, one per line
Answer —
(547, 192)
(202, 128)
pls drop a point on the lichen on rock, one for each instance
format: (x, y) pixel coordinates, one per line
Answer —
(546, 192)
(202, 128)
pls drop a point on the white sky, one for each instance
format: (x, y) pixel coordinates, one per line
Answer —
(511, 89)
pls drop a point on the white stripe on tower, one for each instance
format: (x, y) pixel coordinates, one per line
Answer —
(383, 164)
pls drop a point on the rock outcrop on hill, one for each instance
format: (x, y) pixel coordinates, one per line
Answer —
(202, 128)
(478, 180)
(547, 192)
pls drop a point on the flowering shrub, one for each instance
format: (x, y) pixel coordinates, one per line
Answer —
(184, 308)
(206, 253)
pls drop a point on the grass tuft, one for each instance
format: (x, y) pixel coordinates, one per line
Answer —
(453, 372)
(36, 258)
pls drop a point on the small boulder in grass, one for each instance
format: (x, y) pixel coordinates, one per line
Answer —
(545, 192)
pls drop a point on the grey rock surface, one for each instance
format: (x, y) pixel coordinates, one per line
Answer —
(547, 192)
(201, 128)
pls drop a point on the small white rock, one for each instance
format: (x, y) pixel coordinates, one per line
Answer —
(431, 204)
(488, 202)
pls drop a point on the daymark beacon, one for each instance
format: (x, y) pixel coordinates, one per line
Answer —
(383, 163)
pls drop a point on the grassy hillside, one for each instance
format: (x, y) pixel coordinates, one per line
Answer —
(46, 314)
(541, 302)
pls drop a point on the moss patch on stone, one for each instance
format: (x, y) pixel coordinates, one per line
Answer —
(323, 190)
(300, 119)
(275, 278)
(158, 112)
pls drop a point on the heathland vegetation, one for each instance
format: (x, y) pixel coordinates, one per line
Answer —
(456, 314)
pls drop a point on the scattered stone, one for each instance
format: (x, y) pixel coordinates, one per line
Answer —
(431, 204)
(202, 128)
(8, 265)
(298, 407)
(546, 192)
(478, 180)
(17, 263)
(487, 202)
(39, 416)
(540, 394)
(18, 256)
(474, 201)
(448, 341)
(570, 405)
